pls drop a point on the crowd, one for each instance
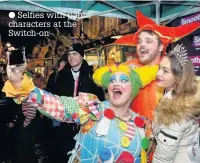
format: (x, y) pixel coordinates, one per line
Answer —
(151, 114)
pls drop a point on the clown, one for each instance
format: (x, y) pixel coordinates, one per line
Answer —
(110, 131)
(151, 41)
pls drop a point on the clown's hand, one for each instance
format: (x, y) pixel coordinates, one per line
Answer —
(15, 72)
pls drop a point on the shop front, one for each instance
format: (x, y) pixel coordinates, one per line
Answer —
(41, 66)
(118, 53)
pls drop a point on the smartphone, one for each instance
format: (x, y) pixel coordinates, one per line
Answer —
(17, 56)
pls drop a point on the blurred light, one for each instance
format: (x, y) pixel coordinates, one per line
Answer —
(116, 37)
(112, 55)
(8, 44)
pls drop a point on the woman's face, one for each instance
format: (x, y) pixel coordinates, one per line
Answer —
(165, 78)
(120, 89)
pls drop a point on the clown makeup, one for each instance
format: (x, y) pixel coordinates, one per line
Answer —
(123, 78)
(148, 48)
(119, 89)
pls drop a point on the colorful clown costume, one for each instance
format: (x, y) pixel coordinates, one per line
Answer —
(122, 136)
(104, 136)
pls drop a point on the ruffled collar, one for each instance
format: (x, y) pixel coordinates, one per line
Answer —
(26, 88)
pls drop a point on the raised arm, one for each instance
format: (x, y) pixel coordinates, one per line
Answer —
(64, 109)
(70, 109)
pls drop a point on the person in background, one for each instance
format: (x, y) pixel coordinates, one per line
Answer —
(9, 128)
(75, 77)
(175, 125)
(21, 126)
(39, 80)
(53, 76)
(8, 119)
(52, 129)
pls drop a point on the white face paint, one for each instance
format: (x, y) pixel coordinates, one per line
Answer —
(119, 89)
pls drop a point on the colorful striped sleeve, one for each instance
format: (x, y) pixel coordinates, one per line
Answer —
(29, 113)
(66, 109)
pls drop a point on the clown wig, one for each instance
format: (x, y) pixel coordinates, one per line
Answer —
(139, 77)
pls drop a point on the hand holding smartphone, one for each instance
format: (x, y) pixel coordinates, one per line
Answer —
(16, 65)
(17, 56)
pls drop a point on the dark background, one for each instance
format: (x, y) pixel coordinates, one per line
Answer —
(188, 42)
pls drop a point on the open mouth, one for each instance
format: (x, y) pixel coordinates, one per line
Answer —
(158, 80)
(117, 93)
(143, 52)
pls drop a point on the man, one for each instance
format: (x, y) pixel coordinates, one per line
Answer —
(151, 41)
(39, 80)
(149, 49)
(53, 77)
(77, 75)
(72, 79)
(52, 127)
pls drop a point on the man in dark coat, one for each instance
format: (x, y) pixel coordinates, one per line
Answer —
(72, 79)
(76, 76)
(52, 132)
(50, 87)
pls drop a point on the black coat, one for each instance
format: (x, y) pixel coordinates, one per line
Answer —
(65, 82)
(50, 87)
(65, 87)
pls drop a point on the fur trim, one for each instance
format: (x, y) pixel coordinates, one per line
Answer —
(177, 109)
